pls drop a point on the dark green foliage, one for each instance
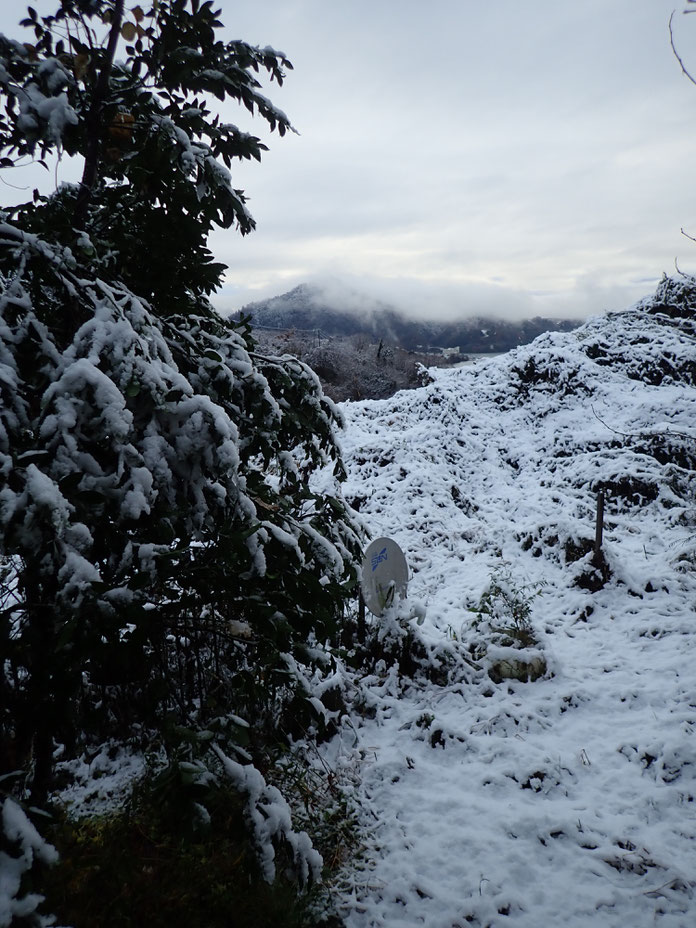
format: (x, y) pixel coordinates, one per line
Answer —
(166, 546)
(164, 561)
(157, 155)
(137, 868)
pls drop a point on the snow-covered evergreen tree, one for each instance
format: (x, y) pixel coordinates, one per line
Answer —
(163, 559)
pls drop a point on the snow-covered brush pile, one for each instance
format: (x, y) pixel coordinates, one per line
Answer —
(567, 795)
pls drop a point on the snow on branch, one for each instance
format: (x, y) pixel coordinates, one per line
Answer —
(271, 820)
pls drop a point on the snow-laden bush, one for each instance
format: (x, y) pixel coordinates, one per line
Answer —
(503, 637)
(163, 538)
(270, 821)
(162, 551)
(22, 850)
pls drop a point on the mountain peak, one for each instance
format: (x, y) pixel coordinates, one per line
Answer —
(337, 312)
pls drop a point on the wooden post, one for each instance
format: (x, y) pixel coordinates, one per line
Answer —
(361, 619)
(599, 527)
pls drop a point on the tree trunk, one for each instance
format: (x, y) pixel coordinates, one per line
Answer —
(42, 706)
(93, 121)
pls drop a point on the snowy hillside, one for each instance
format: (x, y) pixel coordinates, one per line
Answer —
(571, 799)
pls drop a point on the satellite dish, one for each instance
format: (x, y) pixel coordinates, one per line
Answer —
(384, 575)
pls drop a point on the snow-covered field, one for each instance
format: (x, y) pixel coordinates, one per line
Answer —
(570, 800)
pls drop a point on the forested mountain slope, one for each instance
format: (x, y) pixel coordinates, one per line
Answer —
(307, 307)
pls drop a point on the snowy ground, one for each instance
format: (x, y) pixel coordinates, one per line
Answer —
(569, 800)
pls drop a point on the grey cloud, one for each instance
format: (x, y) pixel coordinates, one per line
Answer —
(545, 146)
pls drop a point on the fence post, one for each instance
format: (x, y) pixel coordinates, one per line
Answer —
(598, 557)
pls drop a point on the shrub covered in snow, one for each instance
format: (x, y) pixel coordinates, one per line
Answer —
(22, 850)
(504, 639)
(154, 505)
(162, 550)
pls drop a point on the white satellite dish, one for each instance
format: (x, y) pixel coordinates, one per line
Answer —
(384, 575)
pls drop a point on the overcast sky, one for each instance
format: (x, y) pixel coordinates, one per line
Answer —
(509, 156)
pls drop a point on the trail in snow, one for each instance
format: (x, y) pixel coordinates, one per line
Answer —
(570, 799)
